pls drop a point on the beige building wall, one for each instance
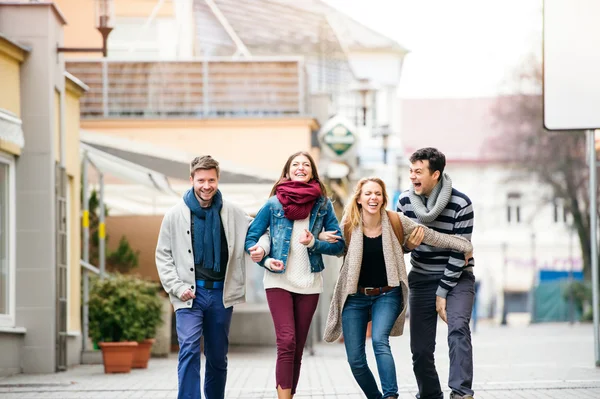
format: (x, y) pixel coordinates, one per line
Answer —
(264, 144)
(56, 100)
(142, 8)
(10, 78)
(81, 30)
(142, 234)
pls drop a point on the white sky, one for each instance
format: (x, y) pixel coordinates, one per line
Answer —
(459, 48)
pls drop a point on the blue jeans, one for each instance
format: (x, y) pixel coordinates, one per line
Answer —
(383, 310)
(209, 318)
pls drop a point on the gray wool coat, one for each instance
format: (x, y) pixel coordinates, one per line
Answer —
(347, 283)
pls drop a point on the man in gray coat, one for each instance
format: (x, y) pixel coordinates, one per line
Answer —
(202, 266)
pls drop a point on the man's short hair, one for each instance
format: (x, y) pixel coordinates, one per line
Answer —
(437, 160)
(205, 162)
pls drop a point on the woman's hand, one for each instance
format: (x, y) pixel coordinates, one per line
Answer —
(306, 237)
(329, 236)
(276, 265)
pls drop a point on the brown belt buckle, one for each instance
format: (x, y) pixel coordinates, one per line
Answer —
(368, 290)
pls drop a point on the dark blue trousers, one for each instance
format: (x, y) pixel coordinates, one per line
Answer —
(209, 318)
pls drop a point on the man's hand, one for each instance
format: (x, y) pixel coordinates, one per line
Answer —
(256, 253)
(276, 265)
(415, 239)
(187, 295)
(440, 307)
(306, 237)
(329, 236)
(467, 257)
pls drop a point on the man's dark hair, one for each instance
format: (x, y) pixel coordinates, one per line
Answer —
(437, 160)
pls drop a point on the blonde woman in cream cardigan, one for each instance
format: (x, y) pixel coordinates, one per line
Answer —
(373, 285)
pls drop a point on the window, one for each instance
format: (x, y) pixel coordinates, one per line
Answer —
(138, 37)
(560, 211)
(513, 207)
(7, 242)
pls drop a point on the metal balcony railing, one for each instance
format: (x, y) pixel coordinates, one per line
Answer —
(206, 88)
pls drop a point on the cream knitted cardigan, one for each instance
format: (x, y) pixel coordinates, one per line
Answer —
(347, 283)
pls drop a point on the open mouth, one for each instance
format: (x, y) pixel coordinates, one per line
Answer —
(373, 205)
(417, 185)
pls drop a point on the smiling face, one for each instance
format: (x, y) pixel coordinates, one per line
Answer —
(371, 197)
(421, 177)
(300, 169)
(206, 183)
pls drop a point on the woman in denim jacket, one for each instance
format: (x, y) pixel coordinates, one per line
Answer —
(297, 211)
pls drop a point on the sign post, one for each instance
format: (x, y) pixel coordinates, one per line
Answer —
(571, 89)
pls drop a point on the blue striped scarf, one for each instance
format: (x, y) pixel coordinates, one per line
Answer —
(207, 230)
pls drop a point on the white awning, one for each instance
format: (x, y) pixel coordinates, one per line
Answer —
(171, 154)
(125, 170)
(10, 129)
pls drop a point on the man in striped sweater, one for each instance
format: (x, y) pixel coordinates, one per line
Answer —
(441, 281)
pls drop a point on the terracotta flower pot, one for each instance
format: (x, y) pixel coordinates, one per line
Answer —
(117, 356)
(141, 354)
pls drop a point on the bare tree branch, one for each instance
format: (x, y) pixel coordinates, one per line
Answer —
(557, 160)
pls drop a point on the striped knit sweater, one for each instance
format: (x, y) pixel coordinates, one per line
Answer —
(456, 218)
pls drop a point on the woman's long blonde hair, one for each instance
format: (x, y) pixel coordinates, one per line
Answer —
(352, 212)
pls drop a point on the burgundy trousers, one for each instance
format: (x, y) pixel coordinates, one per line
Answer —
(292, 314)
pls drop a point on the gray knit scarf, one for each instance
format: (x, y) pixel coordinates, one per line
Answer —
(427, 209)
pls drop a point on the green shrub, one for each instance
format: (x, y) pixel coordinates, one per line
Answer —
(581, 292)
(123, 308)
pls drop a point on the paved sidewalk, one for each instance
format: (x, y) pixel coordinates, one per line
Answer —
(542, 361)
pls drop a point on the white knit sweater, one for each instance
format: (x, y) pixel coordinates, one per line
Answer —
(297, 277)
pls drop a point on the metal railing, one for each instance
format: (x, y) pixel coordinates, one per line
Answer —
(204, 88)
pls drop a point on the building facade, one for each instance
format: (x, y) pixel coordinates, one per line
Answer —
(40, 326)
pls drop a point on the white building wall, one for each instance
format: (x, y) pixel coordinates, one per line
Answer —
(510, 254)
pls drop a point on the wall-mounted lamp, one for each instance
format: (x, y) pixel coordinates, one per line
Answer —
(104, 23)
(363, 87)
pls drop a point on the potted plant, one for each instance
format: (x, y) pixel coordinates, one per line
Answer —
(151, 319)
(116, 318)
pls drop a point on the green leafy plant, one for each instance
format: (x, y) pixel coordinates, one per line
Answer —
(581, 293)
(123, 308)
(122, 259)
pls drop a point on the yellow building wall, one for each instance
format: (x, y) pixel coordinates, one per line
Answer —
(264, 144)
(73, 167)
(10, 78)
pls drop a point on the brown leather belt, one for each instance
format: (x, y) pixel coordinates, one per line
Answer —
(368, 291)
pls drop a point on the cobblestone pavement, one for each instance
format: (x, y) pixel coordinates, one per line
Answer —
(539, 361)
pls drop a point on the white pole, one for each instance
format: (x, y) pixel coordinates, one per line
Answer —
(594, 238)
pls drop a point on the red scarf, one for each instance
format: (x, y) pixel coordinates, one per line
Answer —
(297, 197)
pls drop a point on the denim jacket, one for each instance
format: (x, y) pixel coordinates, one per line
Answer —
(271, 217)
